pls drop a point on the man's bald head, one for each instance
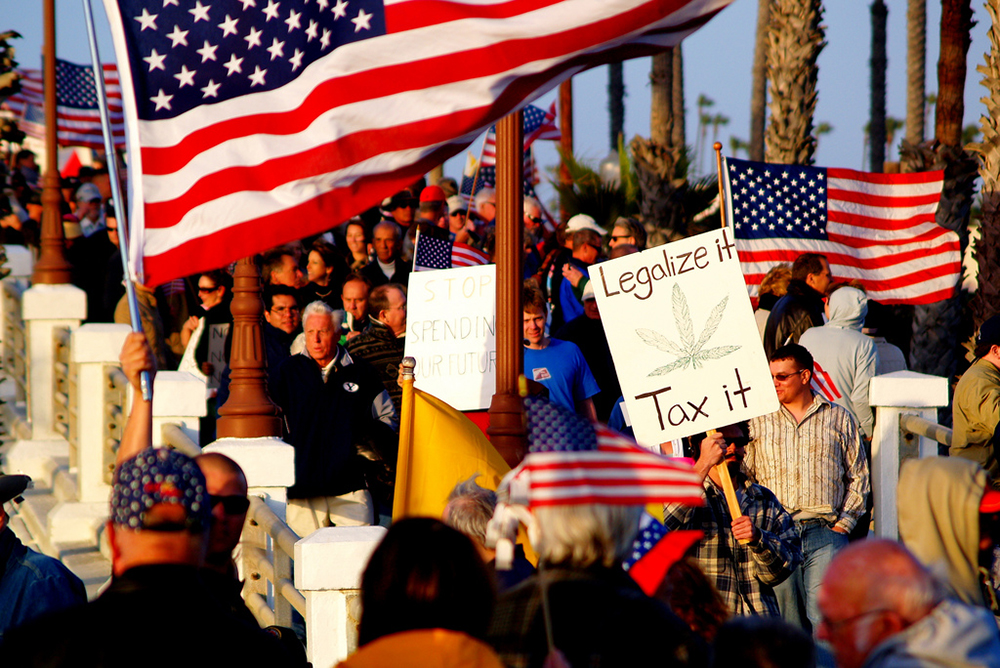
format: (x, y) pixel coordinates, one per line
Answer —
(872, 590)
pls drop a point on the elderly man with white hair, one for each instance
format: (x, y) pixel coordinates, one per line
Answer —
(338, 417)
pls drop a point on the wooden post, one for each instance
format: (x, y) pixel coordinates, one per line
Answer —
(507, 429)
(249, 411)
(52, 266)
(566, 132)
(721, 468)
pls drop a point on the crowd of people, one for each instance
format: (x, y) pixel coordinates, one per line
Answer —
(786, 581)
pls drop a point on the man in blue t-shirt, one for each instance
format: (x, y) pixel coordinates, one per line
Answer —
(558, 365)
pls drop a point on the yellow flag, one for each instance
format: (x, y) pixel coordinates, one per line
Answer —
(438, 448)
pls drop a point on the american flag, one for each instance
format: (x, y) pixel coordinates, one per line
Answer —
(432, 253)
(822, 383)
(255, 122)
(876, 228)
(78, 118)
(487, 178)
(537, 124)
(573, 461)
(654, 551)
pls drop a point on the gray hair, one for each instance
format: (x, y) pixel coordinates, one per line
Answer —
(581, 536)
(485, 196)
(388, 224)
(533, 203)
(322, 308)
(470, 508)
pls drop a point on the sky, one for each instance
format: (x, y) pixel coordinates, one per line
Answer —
(717, 61)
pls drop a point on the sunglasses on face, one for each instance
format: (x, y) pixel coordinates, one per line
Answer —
(234, 504)
(782, 377)
(739, 442)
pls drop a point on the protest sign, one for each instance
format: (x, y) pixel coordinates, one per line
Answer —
(683, 338)
(451, 332)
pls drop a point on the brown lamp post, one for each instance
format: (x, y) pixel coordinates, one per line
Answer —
(52, 266)
(507, 429)
(249, 411)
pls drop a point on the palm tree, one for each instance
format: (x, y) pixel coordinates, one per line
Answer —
(892, 126)
(986, 302)
(679, 136)
(704, 119)
(736, 145)
(916, 59)
(878, 62)
(616, 103)
(823, 128)
(934, 347)
(795, 39)
(758, 84)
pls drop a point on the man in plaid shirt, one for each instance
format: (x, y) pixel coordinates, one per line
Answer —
(744, 573)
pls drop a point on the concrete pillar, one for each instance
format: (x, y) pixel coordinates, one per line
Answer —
(20, 261)
(94, 345)
(892, 395)
(328, 567)
(178, 398)
(44, 308)
(268, 463)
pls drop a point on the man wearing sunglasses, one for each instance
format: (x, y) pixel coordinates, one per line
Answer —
(744, 573)
(809, 453)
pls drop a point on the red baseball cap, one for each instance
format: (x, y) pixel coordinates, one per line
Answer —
(432, 194)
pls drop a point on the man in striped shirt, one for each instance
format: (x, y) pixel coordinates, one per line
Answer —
(809, 454)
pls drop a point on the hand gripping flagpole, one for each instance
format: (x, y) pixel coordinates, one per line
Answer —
(722, 468)
(112, 158)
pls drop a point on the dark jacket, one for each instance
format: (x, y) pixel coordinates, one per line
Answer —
(800, 309)
(378, 346)
(329, 422)
(147, 617)
(373, 272)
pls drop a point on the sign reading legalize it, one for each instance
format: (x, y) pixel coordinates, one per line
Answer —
(683, 337)
(451, 332)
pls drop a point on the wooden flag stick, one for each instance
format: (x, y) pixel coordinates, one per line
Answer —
(721, 468)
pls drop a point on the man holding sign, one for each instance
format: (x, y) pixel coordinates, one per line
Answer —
(809, 452)
(747, 556)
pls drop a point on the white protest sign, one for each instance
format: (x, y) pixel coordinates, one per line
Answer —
(451, 332)
(683, 337)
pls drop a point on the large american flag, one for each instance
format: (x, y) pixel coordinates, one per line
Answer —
(78, 118)
(573, 461)
(255, 122)
(878, 229)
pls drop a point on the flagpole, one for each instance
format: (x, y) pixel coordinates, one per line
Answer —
(116, 192)
(722, 469)
(403, 456)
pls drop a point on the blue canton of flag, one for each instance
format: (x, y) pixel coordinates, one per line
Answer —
(75, 86)
(487, 178)
(778, 200)
(211, 52)
(431, 253)
(644, 542)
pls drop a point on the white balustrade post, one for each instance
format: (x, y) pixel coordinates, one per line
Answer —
(20, 261)
(328, 567)
(178, 398)
(45, 307)
(94, 345)
(892, 395)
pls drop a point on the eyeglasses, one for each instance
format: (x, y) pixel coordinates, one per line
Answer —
(234, 504)
(619, 237)
(782, 377)
(739, 441)
(538, 220)
(834, 627)
(201, 289)
(595, 247)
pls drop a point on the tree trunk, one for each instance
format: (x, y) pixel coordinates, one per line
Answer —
(956, 26)
(678, 138)
(916, 69)
(876, 124)
(616, 103)
(661, 118)
(758, 84)
(795, 39)
(986, 302)
(935, 326)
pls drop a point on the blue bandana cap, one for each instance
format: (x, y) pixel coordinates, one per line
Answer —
(160, 476)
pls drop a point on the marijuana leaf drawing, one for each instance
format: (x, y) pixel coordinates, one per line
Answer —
(688, 351)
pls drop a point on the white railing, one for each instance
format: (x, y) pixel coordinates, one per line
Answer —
(15, 361)
(269, 591)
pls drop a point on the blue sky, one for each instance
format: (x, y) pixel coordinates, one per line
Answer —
(717, 63)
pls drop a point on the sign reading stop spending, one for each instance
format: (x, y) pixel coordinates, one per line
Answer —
(451, 332)
(683, 337)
